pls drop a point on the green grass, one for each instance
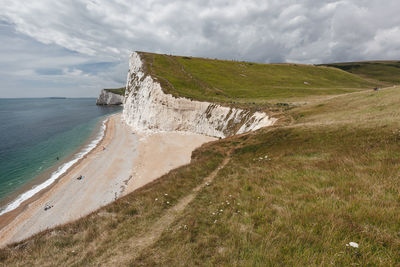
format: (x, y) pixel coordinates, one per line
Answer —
(366, 108)
(118, 91)
(322, 188)
(384, 71)
(227, 81)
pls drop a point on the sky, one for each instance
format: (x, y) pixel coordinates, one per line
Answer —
(74, 48)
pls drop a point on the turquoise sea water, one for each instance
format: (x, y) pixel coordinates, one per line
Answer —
(35, 132)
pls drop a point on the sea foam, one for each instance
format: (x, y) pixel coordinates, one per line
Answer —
(60, 171)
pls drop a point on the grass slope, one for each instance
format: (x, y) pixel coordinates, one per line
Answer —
(227, 81)
(293, 194)
(384, 71)
(118, 91)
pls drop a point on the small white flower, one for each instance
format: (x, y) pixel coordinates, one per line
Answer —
(156, 199)
(167, 202)
(221, 210)
(165, 194)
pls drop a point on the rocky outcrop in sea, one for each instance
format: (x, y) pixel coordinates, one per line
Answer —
(109, 98)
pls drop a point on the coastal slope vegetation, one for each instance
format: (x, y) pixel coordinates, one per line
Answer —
(387, 72)
(294, 194)
(118, 91)
(246, 82)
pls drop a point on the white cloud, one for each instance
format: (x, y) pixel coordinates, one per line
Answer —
(308, 31)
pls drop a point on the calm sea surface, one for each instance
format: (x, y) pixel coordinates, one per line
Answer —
(34, 132)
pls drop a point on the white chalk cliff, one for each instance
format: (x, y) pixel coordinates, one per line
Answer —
(148, 108)
(109, 98)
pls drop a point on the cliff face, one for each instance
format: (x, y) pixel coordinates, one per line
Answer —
(147, 107)
(108, 98)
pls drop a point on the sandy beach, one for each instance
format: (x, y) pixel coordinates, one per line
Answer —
(129, 161)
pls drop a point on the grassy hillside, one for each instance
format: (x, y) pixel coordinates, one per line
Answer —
(384, 71)
(227, 81)
(118, 91)
(293, 194)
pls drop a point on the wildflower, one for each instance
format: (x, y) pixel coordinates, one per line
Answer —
(185, 227)
(167, 202)
(221, 210)
(165, 194)
(156, 199)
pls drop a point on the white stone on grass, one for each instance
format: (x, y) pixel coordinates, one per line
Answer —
(352, 244)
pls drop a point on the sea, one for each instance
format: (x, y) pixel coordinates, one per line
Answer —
(44, 135)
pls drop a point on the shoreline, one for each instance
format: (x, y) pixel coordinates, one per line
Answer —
(9, 216)
(43, 176)
(129, 161)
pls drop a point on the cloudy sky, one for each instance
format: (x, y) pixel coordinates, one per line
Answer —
(74, 47)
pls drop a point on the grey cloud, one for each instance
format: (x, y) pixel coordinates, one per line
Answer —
(307, 31)
(111, 29)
